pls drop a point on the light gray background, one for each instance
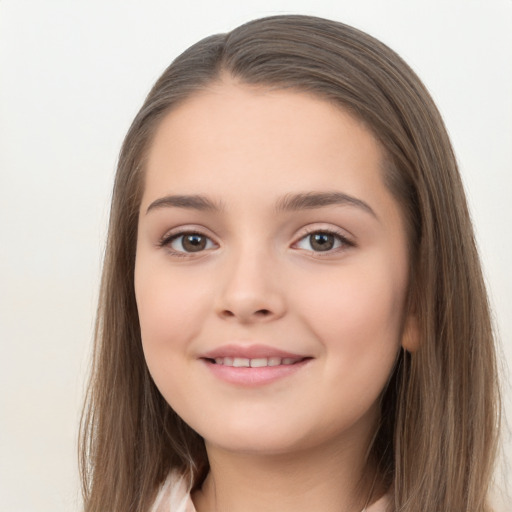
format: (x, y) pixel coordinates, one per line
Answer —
(73, 75)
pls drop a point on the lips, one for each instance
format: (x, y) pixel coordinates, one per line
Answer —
(250, 352)
(253, 365)
(259, 362)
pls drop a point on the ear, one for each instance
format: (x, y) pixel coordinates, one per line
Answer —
(411, 334)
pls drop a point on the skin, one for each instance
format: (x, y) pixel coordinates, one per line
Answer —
(299, 442)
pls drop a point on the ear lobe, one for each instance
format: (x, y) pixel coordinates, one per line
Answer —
(411, 334)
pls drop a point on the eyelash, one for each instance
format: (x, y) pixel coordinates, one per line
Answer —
(166, 242)
(344, 242)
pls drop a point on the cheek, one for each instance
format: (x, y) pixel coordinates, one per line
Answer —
(358, 313)
(170, 307)
(364, 308)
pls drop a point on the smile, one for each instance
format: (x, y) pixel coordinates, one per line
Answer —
(260, 362)
(253, 365)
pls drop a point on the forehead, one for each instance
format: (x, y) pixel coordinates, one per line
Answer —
(244, 143)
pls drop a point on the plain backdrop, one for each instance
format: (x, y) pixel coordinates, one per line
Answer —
(72, 76)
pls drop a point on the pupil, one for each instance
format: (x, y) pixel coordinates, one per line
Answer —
(194, 243)
(322, 241)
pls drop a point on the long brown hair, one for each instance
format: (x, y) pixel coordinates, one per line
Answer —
(436, 442)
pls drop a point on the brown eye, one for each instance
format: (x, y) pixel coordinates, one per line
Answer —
(322, 241)
(190, 242)
(194, 243)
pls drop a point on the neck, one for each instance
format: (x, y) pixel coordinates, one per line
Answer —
(323, 479)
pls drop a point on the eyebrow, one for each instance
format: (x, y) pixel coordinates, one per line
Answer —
(192, 202)
(290, 202)
(311, 200)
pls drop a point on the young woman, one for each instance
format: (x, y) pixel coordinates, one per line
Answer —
(292, 312)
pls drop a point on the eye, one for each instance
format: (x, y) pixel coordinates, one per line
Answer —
(188, 242)
(322, 241)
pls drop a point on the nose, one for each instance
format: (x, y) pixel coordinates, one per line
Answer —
(251, 291)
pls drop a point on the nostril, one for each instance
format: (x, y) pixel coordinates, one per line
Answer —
(246, 315)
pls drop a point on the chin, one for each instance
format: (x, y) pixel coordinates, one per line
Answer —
(263, 439)
(254, 438)
(266, 446)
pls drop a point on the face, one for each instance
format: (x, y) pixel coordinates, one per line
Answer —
(271, 270)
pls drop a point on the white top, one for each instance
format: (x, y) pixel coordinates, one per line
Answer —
(174, 496)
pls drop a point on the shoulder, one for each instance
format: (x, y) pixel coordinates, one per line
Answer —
(174, 495)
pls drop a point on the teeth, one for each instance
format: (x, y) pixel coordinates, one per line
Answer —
(242, 362)
(258, 363)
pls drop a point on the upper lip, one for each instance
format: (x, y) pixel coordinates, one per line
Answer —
(249, 352)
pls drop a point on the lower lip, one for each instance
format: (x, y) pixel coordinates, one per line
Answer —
(245, 376)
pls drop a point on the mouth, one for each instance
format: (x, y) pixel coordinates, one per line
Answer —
(259, 362)
(253, 365)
